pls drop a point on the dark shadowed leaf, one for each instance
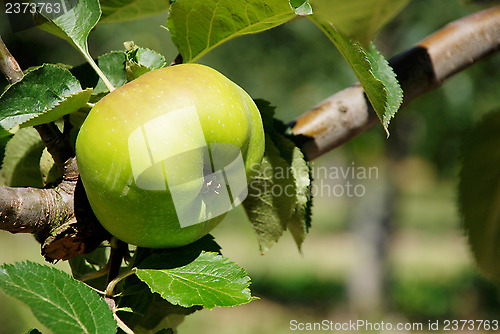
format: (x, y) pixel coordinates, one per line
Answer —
(479, 192)
(278, 196)
(33, 331)
(21, 162)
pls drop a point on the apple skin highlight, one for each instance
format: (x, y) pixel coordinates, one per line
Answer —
(161, 104)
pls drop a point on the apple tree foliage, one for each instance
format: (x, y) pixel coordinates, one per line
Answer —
(157, 287)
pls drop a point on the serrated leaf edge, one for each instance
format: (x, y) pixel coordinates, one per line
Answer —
(176, 301)
(35, 116)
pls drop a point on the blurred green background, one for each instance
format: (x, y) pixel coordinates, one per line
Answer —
(395, 254)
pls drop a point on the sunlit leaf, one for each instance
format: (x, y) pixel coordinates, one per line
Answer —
(142, 60)
(75, 26)
(359, 19)
(209, 281)
(61, 303)
(48, 92)
(373, 71)
(301, 7)
(197, 26)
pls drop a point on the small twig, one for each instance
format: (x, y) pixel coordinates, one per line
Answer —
(114, 278)
(8, 65)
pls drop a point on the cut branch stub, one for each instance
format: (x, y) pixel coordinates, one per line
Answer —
(455, 47)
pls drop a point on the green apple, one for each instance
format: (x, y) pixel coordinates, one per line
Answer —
(164, 157)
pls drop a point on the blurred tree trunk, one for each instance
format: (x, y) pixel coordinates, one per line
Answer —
(371, 226)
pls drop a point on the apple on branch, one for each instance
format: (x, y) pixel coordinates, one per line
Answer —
(166, 156)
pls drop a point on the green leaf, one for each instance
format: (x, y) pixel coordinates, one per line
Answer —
(48, 89)
(148, 58)
(479, 192)
(147, 312)
(300, 219)
(267, 212)
(5, 137)
(142, 60)
(75, 26)
(123, 10)
(21, 162)
(359, 19)
(278, 196)
(197, 26)
(48, 169)
(301, 7)
(391, 97)
(210, 280)
(69, 105)
(373, 72)
(61, 303)
(113, 66)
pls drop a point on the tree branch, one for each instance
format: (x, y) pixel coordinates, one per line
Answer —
(26, 210)
(60, 217)
(452, 49)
